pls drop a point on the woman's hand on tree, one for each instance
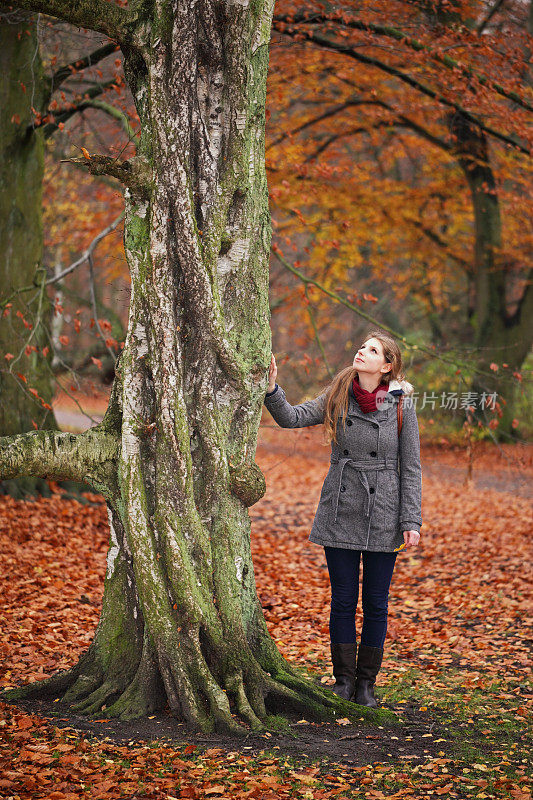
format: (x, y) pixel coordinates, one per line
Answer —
(272, 373)
(411, 538)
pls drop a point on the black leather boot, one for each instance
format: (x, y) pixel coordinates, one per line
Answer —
(343, 656)
(368, 665)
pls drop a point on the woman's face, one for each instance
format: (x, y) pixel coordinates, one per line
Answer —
(370, 358)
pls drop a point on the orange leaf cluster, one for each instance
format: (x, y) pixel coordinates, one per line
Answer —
(442, 616)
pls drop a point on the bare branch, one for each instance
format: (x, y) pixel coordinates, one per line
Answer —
(311, 313)
(50, 127)
(113, 112)
(88, 253)
(104, 311)
(438, 240)
(330, 112)
(485, 21)
(22, 289)
(95, 309)
(334, 137)
(339, 299)
(399, 121)
(64, 72)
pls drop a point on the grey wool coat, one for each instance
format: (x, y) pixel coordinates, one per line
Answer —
(373, 489)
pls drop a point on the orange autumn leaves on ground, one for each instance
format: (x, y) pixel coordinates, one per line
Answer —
(61, 766)
(53, 553)
(462, 596)
(458, 604)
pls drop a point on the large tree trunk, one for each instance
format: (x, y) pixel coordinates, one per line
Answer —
(21, 244)
(181, 622)
(499, 337)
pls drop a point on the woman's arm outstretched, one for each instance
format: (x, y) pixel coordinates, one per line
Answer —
(287, 416)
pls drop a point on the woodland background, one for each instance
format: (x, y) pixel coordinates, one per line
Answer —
(400, 185)
(380, 141)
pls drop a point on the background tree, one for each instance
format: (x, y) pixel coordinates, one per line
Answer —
(31, 115)
(367, 187)
(23, 376)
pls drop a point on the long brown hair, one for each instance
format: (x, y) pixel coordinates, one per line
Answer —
(338, 389)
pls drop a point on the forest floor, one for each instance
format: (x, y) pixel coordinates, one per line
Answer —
(455, 671)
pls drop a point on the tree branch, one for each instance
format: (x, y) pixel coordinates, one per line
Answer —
(111, 111)
(341, 47)
(401, 121)
(337, 297)
(485, 21)
(94, 15)
(64, 72)
(104, 311)
(50, 127)
(310, 311)
(330, 112)
(95, 309)
(22, 289)
(135, 174)
(88, 253)
(414, 44)
(57, 455)
(436, 239)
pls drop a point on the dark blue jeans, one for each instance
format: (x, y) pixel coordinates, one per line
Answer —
(343, 567)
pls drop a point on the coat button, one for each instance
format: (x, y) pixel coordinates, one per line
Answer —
(345, 452)
(349, 422)
(371, 490)
(343, 488)
(373, 453)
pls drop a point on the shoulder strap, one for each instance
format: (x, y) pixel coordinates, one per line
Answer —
(399, 412)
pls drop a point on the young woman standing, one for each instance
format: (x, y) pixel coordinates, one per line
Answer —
(370, 503)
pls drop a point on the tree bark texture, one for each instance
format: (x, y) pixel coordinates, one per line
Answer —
(21, 243)
(174, 457)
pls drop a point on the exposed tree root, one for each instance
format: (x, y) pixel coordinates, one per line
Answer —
(236, 686)
(97, 700)
(49, 687)
(145, 694)
(307, 689)
(210, 685)
(205, 707)
(215, 670)
(320, 708)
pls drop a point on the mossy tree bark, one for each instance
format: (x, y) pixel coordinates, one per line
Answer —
(499, 336)
(21, 242)
(174, 457)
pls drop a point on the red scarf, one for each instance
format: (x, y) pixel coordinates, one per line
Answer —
(367, 400)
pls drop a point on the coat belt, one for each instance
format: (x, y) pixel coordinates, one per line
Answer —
(362, 467)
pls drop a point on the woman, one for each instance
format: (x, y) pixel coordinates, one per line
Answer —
(370, 503)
